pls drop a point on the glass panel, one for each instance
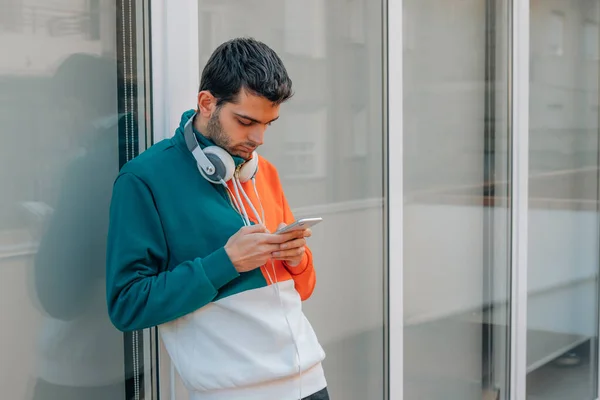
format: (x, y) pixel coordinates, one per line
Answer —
(456, 208)
(327, 146)
(71, 106)
(563, 201)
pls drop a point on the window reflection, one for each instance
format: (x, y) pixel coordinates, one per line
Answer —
(456, 231)
(62, 124)
(563, 201)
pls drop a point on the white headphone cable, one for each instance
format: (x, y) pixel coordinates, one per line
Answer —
(278, 293)
(262, 210)
(241, 204)
(260, 220)
(274, 283)
(233, 202)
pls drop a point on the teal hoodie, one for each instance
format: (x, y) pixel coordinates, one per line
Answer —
(165, 217)
(229, 335)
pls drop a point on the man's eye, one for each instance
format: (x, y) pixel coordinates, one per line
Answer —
(244, 123)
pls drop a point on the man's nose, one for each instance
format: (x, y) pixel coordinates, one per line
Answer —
(257, 135)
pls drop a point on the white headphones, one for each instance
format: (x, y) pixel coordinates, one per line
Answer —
(216, 164)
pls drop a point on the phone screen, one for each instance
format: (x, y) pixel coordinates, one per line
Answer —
(300, 224)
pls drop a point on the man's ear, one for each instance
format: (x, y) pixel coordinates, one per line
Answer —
(207, 104)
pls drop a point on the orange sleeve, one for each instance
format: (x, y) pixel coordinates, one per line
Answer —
(304, 273)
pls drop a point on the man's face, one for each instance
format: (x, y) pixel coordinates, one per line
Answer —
(240, 127)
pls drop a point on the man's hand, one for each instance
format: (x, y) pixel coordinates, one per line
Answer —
(252, 246)
(293, 250)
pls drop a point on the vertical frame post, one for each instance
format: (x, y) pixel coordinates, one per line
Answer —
(519, 22)
(175, 81)
(395, 197)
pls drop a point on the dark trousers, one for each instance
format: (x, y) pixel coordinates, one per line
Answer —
(320, 395)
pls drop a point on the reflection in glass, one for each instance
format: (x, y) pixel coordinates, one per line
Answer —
(563, 201)
(456, 208)
(64, 127)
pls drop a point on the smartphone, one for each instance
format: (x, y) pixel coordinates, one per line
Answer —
(300, 224)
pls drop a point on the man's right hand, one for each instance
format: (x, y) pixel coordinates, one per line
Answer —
(251, 246)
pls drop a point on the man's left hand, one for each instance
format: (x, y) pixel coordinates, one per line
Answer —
(293, 250)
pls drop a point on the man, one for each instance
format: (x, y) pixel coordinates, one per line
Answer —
(189, 251)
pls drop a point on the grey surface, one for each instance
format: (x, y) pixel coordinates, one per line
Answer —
(352, 357)
(552, 382)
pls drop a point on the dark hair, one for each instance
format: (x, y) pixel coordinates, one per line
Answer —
(246, 63)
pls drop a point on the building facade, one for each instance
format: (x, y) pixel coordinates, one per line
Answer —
(452, 148)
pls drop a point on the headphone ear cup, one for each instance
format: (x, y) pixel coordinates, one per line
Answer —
(223, 163)
(249, 169)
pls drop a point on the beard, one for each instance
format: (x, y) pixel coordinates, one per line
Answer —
(215, 132)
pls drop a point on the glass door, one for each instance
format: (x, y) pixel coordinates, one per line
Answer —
(498, 193)
(73, 109)
(455, 196)
(328, 147)
(562, 335)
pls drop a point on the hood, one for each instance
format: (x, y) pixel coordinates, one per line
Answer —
(203, 140)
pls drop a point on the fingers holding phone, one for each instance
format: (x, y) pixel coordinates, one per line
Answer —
(292, 250)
